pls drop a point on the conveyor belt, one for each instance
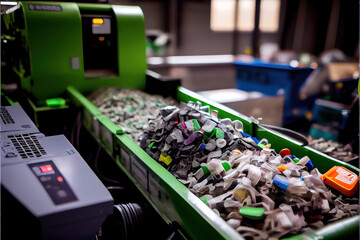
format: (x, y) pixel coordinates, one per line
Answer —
(173, 201)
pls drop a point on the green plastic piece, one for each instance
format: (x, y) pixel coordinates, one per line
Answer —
(119, 131)
(55, 102)
(196, 125)
(205, 169)
(296, 160)
(253, 213)
(151, 145)
(261, 145)
(218, 133)
(226, 166)
(204, 199)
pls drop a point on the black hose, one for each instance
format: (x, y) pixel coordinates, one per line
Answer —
(288, 132)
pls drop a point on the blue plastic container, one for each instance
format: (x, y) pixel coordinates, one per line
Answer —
(274, 79)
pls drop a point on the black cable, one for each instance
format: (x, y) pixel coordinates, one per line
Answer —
(115, 188)
(98, 172)
(79, 125)
(293, 134)
(353, 103)
(73, 130)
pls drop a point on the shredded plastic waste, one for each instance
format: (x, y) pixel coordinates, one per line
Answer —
(333, 149)
(131, 109)
(260, 193)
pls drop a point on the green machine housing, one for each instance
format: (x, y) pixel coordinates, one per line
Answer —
(83, 45)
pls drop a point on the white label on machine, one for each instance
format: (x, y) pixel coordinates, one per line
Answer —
(139, 173)
(106, 136)
(157, 192)
(75, 63)
(125, 159)
(154, 187)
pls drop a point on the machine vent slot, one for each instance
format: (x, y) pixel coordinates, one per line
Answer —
(28, 146)
(5, 116)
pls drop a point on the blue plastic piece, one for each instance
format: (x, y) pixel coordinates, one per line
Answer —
(309, 165)
(281, 181)
(202, 146)
(245, 134)
(253, 138)
(256, 140)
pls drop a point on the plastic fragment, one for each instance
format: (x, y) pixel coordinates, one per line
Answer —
(282, 168)
(285, 152)
(165, 159)
(342, 180)
(252, 212)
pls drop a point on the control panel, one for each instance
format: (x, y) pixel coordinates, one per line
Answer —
(53, 182)
(46, 184)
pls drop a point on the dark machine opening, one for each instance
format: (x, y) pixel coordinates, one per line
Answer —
(99, 44)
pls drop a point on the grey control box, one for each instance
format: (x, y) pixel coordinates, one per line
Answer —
(49, 179)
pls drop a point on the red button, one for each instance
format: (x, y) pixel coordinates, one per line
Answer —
(46, 168)
(60, 179)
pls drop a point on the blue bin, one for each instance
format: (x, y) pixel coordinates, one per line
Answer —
(274, 79)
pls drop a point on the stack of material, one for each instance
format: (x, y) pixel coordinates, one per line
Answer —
(260, 193)
(129, 108)
(333, 149)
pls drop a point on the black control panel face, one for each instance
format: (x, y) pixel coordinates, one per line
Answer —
(53, 182)
(100, 44)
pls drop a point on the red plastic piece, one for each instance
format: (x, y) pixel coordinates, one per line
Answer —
(284, 152)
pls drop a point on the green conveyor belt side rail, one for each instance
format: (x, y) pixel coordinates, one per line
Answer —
(172, 200)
